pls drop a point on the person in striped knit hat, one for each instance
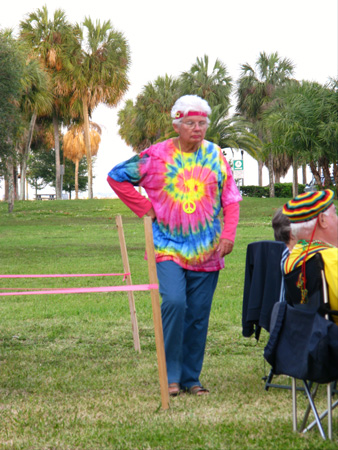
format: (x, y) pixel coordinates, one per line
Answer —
(314, 223)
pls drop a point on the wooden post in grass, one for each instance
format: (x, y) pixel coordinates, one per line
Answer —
(155, 302)
(129, 282)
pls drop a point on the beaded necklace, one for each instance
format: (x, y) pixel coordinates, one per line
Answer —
(309, 248)
(317, 242)
(314, 248)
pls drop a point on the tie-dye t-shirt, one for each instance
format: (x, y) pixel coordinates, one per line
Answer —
(171, 178)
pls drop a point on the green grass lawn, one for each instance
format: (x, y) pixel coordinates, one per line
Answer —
(69, 375)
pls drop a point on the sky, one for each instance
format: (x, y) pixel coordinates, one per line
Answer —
(168, 37)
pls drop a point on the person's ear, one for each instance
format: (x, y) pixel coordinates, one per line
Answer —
(322, 222)
(176, 128)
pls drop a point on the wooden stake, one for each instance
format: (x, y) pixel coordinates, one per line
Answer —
(155, 302)
(129, 282)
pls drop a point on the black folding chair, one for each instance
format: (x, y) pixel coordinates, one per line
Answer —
(303, 342)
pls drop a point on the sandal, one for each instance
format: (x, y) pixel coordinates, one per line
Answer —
(197, 390)
(174, 389)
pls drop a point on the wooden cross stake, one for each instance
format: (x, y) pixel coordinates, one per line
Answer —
(155, 302)
(126, 269)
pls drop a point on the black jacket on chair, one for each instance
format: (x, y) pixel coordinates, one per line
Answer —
(261, 286)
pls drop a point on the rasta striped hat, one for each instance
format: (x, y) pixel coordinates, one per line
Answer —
(308, 205)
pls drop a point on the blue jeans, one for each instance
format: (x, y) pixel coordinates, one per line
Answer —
(186, 303)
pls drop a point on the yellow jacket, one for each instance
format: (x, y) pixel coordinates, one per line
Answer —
(330, 259)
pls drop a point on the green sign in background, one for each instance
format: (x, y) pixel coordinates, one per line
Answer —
(238, 164)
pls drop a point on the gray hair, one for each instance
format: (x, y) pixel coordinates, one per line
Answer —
(281, 226)
(190, 103)
(306, 227)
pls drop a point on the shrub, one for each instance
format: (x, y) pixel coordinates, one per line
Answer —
(255, 191)
(282, 190)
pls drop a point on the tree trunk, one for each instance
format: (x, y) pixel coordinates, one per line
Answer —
(260, 173)
(326, 173)
(335, 176)
(294, 177)
(15, 178)
(304, 173)
(6, 189)
(57, 157)
(271, 181)
(87, 142)
(10, 169)
(25, 155)
(315, 172)
(77, 179)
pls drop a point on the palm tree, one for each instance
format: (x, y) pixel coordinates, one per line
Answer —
(46, 40)
(97, 72)
(74, 146)
(232, 133)
(305, 122)
(215, 87)
(132, 134)
(149, 119)
(329, 130)
(12, 63)
(36, 99)
(255, 91)
(154, 106)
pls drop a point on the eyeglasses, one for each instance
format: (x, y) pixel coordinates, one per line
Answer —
(191, 124)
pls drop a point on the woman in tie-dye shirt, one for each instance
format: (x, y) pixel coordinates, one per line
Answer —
(188, 183)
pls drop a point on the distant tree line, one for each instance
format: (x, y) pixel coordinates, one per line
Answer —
(54, 74)
(279, 121)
